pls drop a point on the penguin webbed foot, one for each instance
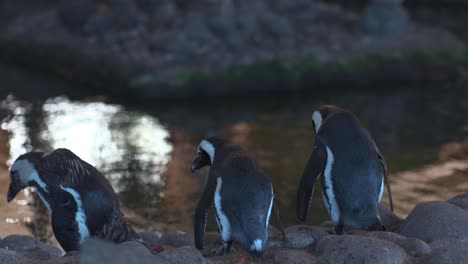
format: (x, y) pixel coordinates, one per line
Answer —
(218, 251)
(337, 230)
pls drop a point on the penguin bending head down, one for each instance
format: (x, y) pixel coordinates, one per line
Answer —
(81, 200)
(241, 192)
(351, 169)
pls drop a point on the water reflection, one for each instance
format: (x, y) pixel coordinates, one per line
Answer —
(130, 148)
(147, 155)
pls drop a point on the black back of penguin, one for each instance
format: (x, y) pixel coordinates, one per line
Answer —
(245, 194)
(356, 173)
(241, 192)
(61, 169)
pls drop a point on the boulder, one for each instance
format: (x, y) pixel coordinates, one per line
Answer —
(358, 249)
(29, 247)
(432, 221)
(447, 242)
(182, 255)
(460, 200)
(99, 251)
(150, 238)
(301, 236)
(412, 246)
(177, 239)
(9, 256)
(293, 256)
(384, 18)
(454, 254)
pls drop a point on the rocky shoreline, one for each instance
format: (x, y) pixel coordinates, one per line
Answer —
(434, 232)
(146, 50)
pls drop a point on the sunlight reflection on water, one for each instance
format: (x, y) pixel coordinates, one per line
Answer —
(125, 145)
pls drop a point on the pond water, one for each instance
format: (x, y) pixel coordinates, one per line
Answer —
(146, 151)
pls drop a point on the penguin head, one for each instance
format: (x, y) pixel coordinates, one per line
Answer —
(23, 173)
(322, 113)
(205, 154)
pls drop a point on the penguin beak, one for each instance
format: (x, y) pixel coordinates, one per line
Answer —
(196, 164)
(14, 188)
(12, 192)
(200, 161)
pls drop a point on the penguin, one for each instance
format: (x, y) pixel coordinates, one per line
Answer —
(242, 195)
(351, 169)
(81, 200)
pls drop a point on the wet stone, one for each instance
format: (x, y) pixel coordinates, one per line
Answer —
(447, 242)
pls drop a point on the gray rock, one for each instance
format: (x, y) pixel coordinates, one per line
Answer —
(447, 242)
(75, 259)
(98, 251)
(412, 246)
(384, 19)
(150, 238)
(452, 255)
(11, 257)
(301, 236)
(30, 247)
(182, 255)
(431, 221)
(166, 13)
(358, 249)
(177, 239)
(293, 256)
(460, 200)
(74, 14)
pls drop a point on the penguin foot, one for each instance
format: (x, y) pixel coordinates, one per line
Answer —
(219, 251)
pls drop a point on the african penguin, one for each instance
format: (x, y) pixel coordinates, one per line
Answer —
(241, 192)
(81, 200)
(351, 169)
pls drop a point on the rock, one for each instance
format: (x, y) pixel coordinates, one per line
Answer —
(412, 246)
(182, 255)
(177, 239)
(9, 256)
(165, 14)
(150, 238)
(358, 249)
(383, 18)
(74, 14)
(98, 251)
(460, 200)
(293, 256)
(447, 242)
(389, 219)
(301, 236)
(454, 254)
(30, 247)
(75, 259)
(431, 221)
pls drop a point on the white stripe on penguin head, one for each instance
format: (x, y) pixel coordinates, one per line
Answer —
(206, 146)
(317, 119)
(80, 216)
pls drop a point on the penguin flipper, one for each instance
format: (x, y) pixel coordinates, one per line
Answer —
(312, 171)
(201, 213)
(387, 183)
